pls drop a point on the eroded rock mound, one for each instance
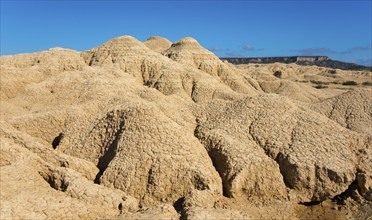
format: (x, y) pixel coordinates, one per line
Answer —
(54, 59)
(189, 52)
(41, 183)
(140, 150)
(292, 90)
(352, 110)
(313, 162)
(158, 44)
(151, 129)
(156, 71)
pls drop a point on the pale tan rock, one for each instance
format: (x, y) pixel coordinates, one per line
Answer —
(140, 151)
(364, 174)
(309, 84)
(303, 93)
(200, 198)
(122, 131)
(202, 204)
(54, 59)
(158, 44)
(313, 161)
(29, 190)
(201, 213)
(161, 211)
(156, 71)
(351, 110)
(86, 168)
(188, 51)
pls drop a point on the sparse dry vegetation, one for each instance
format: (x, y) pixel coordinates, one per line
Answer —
(350, 83)
(320, 86)
(319, 82)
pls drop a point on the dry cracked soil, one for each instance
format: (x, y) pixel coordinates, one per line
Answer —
(162, 130)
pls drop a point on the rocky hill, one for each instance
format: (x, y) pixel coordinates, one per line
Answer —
(321, 61)
(160, 130)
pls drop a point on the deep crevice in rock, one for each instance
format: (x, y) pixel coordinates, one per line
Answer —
(110, 153)
(57, 140)
(200, 183)
(56, 182)
(283, 169)
(287, 172)
(311, 203)
(178, 206)
(350, 192)
(193, 93)
(218, 160)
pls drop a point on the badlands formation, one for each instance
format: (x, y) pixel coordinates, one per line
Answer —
(155, 130)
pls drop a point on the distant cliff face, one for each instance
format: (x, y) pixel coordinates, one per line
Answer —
(322, 61)
(291, 59)
(312, 58)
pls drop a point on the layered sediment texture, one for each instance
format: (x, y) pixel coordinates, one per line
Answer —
(156, 129)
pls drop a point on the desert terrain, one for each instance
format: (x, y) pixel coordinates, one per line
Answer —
(162, 130)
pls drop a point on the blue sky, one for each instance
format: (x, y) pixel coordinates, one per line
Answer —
(339, 29)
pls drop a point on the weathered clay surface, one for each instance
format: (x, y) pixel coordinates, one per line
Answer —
(155, 130)
(34, 188)
(351, 110)
(189, 52)
(158, 44)
(308, 157)
(140, 150)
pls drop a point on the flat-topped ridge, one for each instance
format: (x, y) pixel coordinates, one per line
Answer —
(286, 59)
(322, 61)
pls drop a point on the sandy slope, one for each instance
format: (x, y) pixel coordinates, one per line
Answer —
(151, 129)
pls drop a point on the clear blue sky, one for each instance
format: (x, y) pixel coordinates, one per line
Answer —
(339, 29)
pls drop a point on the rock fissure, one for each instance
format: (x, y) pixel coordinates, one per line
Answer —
(218, 161)
(351, 192)
(282, 167)
(110, 153)
(57, 140)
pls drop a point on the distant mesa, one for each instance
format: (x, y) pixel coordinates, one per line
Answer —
(322, 61)
(291, 59)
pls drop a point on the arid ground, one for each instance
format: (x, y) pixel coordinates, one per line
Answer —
(161, 130)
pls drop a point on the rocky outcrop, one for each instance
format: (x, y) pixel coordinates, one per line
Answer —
(52, 60)
(189, 52)
(123, 131)
(140, 151)
(351, 110)
(315, 164)
(292, 90)
(154, 70)
(158, 44)
(40, 187)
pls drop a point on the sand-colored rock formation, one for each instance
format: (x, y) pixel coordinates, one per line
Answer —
(351, 110)
(189, 52)
(158, 44)
(139, 130)
(298, 140)
(140, 151)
